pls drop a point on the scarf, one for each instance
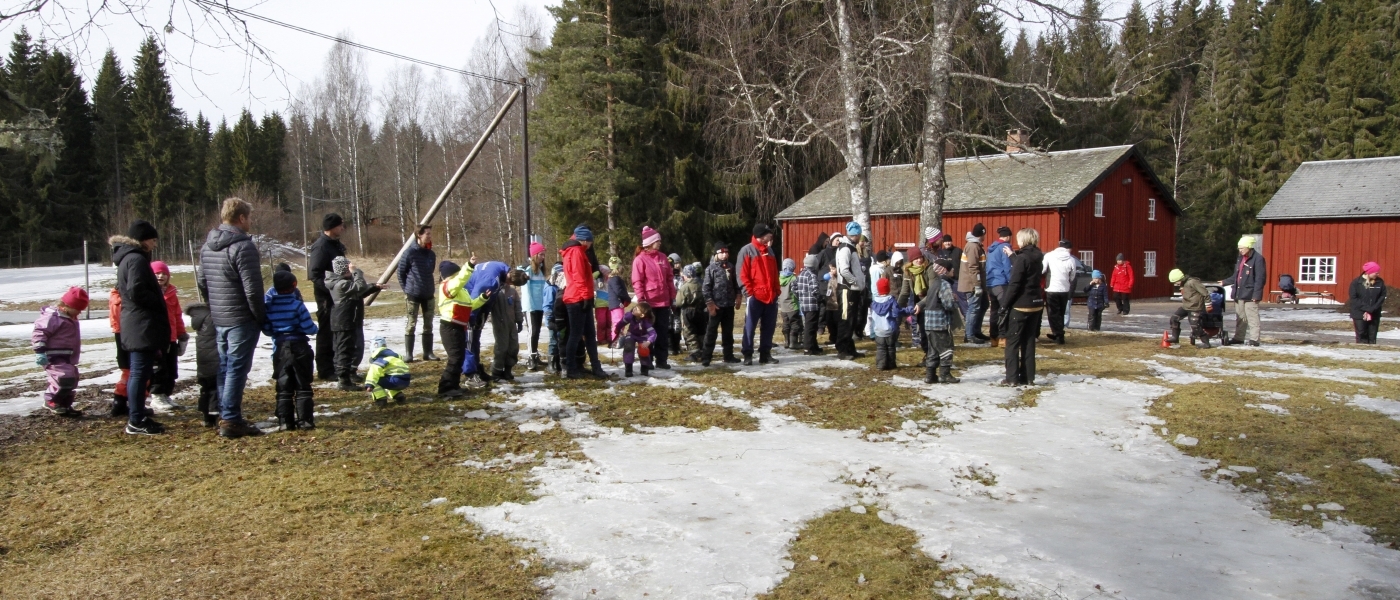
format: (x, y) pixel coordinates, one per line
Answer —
(915, 274)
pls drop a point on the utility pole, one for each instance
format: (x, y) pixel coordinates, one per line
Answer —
(525, 147)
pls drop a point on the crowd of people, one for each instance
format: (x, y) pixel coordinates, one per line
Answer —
(936, 291)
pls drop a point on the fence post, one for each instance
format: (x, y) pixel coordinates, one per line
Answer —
(87, 281)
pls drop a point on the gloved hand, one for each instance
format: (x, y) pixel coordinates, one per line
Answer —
(41, 359)
(181, 345)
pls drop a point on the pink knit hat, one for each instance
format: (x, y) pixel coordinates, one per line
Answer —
(1371, 267)
(650, 236)
(75, 298)
(160, 267)
(536, 249)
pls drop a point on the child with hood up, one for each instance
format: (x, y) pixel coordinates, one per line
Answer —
(167, 368)
(348, 290)
(691, 302)
(388, 375)
(636, 334)
(884, 323)
(1097, 300)
(807, 290)
(555, 318)
(507, 321)
(57, 344)
(788, 309)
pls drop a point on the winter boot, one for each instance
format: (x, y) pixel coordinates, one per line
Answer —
(748, 360)
(286, 412)
(238, 428)
(119, 406)
(646, 370)
(1203, 344)
(535, 363)
(347, 384)
(627, 370)
(306, 410)
(766, 359)
(428, 347)
(408, 348)
(945, 375)
(931, 375)
(211, 419)
(1175, 337)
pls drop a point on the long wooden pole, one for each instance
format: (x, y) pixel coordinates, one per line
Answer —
(525, 145)
(447, 190)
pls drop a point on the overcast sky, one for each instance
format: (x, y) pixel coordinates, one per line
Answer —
(222, 81)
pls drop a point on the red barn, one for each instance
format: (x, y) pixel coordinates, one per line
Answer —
(1104, 200)
(1330, 218)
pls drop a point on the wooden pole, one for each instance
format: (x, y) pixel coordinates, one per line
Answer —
(447, 190)
(525, 146)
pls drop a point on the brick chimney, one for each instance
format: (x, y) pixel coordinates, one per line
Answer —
(1017, 140)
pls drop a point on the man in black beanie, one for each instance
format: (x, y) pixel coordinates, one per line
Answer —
(324, 250)
(145, 325)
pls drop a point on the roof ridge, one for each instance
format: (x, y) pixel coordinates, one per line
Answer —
(1004, 156)
(1346, 160)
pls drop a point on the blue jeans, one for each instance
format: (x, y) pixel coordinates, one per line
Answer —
(143, 364)
(976, 309)
(236, 345)
(761, 316)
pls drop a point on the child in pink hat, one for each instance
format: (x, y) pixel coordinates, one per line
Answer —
(57, 345)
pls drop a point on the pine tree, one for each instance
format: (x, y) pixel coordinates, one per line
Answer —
(111, 106)
(200, 138)
(158, 185)
(244, 143)
(272, 138)
(75, 188)
(1283, 38)
(218, 172)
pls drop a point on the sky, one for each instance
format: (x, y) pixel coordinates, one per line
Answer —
(219, 79)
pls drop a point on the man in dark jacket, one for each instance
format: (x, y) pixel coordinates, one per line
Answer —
(1024, 301)
(323, 251)
(416, 278)
(1250, 279)
(758, 276)
(230, 276)
(719, 289)
(145, 324)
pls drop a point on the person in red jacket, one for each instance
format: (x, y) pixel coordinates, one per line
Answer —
(758, 278)
(1121, 282)
(578, 304)
(167, 367)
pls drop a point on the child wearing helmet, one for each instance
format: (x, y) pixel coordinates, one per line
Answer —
(388, 375)
(1193, 306)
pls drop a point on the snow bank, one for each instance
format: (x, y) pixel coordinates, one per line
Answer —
(42, 284)
(1304, 315)
(1085, 495)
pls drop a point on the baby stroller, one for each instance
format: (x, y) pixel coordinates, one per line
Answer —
(1213, 320)
(1288, 293)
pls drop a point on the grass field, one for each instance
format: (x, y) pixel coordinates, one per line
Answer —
(348, 510)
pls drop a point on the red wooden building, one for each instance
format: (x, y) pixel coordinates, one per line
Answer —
(1104, 200)
(1330, 218)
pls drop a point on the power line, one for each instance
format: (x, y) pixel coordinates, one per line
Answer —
(352, 43)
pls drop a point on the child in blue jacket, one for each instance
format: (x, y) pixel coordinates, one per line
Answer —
(293, 362)
(1097, 301)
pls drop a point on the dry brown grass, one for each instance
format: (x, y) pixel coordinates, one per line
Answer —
(335, 512)
(860, 556)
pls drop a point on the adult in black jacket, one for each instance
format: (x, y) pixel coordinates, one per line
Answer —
(324, 250)
(1026, 300)
(145, 323)
(1250, 279)
(416, 278)
(230, 276)
(1366, 297)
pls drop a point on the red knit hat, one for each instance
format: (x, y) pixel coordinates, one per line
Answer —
(160, 267)
(75, 298)
(882, 286)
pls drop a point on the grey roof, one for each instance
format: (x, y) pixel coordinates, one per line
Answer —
(995, 182)
(1339, 189)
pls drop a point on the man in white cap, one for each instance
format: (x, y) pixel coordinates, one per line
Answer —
(1250, 278)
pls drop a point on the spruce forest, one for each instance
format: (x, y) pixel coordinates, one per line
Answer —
(701, 117)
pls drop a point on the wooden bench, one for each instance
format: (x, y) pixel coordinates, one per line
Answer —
(1277, 296)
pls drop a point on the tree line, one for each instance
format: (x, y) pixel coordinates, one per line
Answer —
(698, 116)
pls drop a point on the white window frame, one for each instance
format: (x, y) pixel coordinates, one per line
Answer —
(1317, 269)
(1087, 258)
(1098, 205)
(1149, 263)
(1151, 209)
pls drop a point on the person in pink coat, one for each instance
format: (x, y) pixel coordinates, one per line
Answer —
(57, 342)
(653, 282)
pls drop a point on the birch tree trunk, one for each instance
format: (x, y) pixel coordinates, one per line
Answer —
(612, 153)
(934, 188)
(857, 167)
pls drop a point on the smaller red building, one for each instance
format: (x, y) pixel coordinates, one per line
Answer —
(1330, 218)
(1104, 200)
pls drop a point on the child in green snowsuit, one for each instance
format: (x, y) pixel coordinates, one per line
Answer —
(388, 375)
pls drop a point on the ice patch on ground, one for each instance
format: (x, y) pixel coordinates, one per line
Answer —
(800, 366)
(1071, 510)
(1389, 408)
(1270, 408)
(1173, 374)
(1304, 315)
(1348, 354)
(1219, 365)
(1382, 467)
(1267, 395)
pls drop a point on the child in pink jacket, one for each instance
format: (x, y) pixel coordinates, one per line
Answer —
(57, 344)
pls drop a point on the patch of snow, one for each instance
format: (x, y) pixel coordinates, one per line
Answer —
(1185, 440)
(478, 414)
(1242, 469)
(1389, 408)
(1332, 506)
(537, 426)
(1296, 478)
(1382, 467)
(1270, 408)
(1173, 374)
(435, 502)
(711, 513)
(1303, 315)
(858, 509)
(1378, 354)
(507, 461)
(1267, 395)
(43, 284)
